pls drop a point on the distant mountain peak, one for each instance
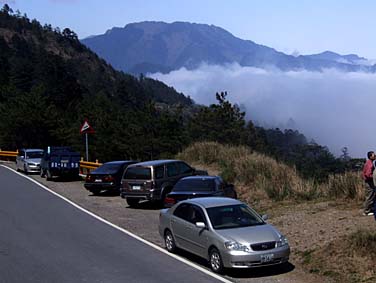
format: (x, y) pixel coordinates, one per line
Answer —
(151, 46)
(350, 59)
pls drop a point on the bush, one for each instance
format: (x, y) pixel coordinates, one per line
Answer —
(227, 171)
(364, 242)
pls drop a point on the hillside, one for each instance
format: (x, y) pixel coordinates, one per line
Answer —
(330, 239)
(50, 82)
(24, 38)
(161, 47)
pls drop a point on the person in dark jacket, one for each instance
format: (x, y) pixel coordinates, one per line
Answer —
(369, 185)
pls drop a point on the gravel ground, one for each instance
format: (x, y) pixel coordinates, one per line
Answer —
(307, 227)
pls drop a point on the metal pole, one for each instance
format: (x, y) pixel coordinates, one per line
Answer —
(87, 147)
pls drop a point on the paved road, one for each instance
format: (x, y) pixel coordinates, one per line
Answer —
(45, 239)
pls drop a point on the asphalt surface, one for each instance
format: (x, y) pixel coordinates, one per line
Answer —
(45, 239)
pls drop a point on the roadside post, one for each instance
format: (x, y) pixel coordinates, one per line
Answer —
(86, 129)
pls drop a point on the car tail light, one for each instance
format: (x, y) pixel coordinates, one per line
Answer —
(148, 185)
(169, 201)
(108, 178)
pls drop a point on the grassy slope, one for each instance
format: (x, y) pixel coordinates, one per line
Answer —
(259, 175)
(322, 221)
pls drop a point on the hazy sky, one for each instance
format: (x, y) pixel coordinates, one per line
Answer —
(303, 26)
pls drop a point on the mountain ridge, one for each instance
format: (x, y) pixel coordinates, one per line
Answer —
(150, 46)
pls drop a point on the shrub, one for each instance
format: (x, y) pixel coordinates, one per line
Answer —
(364, 241)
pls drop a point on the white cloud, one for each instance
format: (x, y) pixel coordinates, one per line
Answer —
(332, 107)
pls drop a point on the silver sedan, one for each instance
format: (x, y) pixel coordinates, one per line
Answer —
(29, 160)
(225, 231)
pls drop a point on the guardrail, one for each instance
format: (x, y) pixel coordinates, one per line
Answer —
(86, 166)
(8, 155)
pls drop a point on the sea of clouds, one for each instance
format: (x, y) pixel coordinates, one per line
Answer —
(334, 108)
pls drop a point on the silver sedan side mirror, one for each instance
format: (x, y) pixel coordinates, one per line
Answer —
(265, 217)
(200, 225)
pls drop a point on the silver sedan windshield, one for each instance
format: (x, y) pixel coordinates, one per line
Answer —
(233, 216)
(34, 154)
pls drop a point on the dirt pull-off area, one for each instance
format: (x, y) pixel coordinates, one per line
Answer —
(321, 237)
(318, 233)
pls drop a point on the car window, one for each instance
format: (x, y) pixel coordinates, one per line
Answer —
(34, 154)
(195, 185)
(233, 216)
(190, 213)
(108, 169)
(198, 215)
(159, 172)
(184, 168)
(182, 211)
(138, 173)
(172, 170)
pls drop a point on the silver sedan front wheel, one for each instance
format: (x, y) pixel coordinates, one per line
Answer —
(170, 242)
(215, 261)
(25, 170)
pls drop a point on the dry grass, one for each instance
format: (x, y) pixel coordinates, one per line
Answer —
(348, 185)
(257, 174)
(349, 259)
(345, 256)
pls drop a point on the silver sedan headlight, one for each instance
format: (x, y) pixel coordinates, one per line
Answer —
(235, 246)
(282, 241)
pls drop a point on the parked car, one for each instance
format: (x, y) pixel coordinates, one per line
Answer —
(60, 161)
(106, 177)
(28, 160)
(225, 231)
(153, 180)
(199, 186)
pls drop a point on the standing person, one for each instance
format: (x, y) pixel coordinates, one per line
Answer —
(369, 185)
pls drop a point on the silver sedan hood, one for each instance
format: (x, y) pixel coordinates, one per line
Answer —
(34, 160)
(251, 235)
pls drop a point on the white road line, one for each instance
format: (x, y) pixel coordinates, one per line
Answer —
(123, 230)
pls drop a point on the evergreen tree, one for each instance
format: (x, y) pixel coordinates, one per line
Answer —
(222, 122)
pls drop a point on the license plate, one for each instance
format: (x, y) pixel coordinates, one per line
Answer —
(98, 180)
(136, 188)
(267, 258)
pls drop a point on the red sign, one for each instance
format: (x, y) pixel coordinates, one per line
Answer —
(86, 128)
